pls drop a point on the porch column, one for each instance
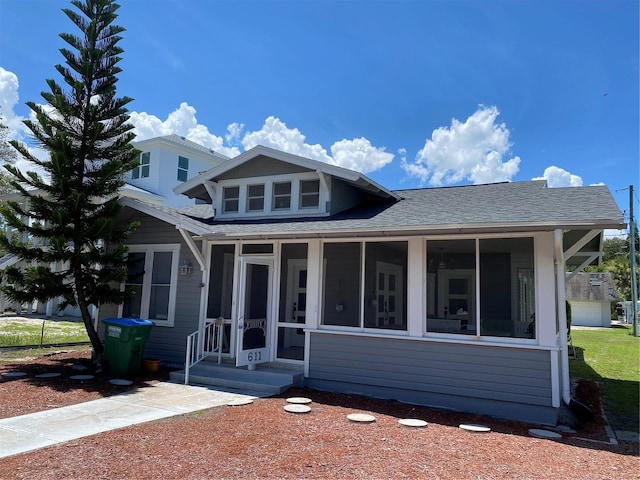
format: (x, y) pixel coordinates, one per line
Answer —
(314, 285)
(416, 288)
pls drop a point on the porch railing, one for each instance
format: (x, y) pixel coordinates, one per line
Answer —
(203, 343)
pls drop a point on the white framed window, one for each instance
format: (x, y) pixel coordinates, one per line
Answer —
(142, 170)
(309, 193)
(152, 276)
(255, 198)
(277, 195)
(183, 168)
(281, 196)
(230, 199)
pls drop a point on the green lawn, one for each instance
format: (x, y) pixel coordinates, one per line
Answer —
(55, 331)
(611, 357)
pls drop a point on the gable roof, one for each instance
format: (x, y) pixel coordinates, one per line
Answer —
(194, 188)
(499, 207)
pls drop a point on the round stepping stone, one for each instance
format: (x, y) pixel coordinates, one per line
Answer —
(297, 408)
(239, 402)
(547, 434)
(14, 374)
(79, 368)
(120, 381)
(361, 417)
(299, 400)
(473, 427)
(48, 375)
(81, 377)
(412, 422)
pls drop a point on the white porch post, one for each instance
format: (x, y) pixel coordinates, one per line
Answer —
(314, 294)
(416, 288)
(546, 312)
(562, 315)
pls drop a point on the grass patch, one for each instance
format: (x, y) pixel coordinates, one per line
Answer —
(18, 333)
(611, 357)
(14, 356)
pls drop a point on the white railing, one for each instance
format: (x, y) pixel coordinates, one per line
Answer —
(203, 343)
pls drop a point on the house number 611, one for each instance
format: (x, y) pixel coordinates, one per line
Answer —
(254, 356)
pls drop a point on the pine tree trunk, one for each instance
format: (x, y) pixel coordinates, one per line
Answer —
(98, 348)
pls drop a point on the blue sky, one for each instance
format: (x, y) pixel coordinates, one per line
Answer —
(412, 93)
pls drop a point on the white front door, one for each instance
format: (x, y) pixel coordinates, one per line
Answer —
(255, 311)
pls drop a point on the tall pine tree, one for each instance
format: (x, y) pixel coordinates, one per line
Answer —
(68, 238)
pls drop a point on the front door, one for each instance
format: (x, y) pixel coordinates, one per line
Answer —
(254, 314)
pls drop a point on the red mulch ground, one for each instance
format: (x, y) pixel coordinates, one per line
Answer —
(261, 440)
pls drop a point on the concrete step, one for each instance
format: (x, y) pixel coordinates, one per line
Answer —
(262, 379)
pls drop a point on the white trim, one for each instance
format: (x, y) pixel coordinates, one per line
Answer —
(457, 339)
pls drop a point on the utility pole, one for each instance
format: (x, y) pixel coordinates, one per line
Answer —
(632, 258)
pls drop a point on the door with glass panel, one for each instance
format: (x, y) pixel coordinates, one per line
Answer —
(254, 313)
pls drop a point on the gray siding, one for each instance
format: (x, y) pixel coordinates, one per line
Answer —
(168, 343)
(505, 382)
(262, 166)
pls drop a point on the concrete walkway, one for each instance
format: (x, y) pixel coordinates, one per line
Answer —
(164, 399)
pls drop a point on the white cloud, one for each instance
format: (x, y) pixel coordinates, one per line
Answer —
(474, 150)
(8, 100)
(275, 134)
(357, 154)
(234, 132)
(558, 177)
(183, 122)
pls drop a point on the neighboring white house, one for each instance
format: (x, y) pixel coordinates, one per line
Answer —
(590, 296)
(166, 162)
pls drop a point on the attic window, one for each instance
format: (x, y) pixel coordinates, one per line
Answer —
(230, 199)
(309, 193)
(255, 198)
(282, 196)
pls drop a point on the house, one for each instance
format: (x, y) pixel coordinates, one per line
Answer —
(448, 297)
(165, 162)
(590, 296)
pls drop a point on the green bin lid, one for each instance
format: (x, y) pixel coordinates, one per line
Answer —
(129, 322)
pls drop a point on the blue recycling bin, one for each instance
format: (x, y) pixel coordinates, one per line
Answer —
(124, 341)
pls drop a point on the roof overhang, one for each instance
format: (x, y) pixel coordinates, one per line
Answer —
(196, 187)
(168, 215)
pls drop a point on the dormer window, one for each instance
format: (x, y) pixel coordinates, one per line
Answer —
(277, 196)
(230, 199)
(281, 196)
(142, 170)
(183, 168)
(309, 193)
(255, 198)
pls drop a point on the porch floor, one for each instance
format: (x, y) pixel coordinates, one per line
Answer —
(263, 379)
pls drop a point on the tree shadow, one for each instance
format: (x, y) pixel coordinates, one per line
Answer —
(628, 419)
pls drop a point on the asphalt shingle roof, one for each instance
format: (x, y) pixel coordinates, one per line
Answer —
(514, 206)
